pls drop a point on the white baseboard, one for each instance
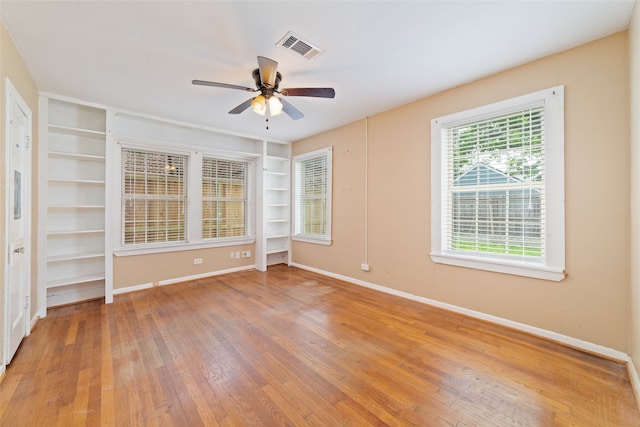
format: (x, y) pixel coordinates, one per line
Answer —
(635, 380)
(554, 336)
(132, 288)
(209, 274)
(34, 320)
(182, 279)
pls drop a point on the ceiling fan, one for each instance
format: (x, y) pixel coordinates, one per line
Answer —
(267, 80)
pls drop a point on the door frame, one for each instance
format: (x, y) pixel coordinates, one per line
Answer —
(15, 100)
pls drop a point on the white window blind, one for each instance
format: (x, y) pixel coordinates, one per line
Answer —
(154, 197)
(495, 186)
(312, 195)
(224, 198)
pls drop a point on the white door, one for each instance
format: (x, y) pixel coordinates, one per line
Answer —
(18, 214)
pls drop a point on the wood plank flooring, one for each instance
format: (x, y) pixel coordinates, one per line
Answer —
(293, 348)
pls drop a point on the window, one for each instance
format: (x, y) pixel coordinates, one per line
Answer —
(498, 187)
(154, 197)
(312, 196)
(182, 199)
(224, 198)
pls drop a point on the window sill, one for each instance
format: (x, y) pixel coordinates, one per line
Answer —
(315, 240)
(537, 271)
(146, 250)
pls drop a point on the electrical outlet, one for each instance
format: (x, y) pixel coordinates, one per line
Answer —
(197, 260)
(246, 254)
(364, 267)
(232, 255)
(237, 254)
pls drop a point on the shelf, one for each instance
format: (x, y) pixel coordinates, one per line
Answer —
(277, 236)
(76, 131)
(77, 207)
(77, 156)
(277, 250)
(75, 280)
(72, 232)
(277, 158)
(74, 257)
(75, 181)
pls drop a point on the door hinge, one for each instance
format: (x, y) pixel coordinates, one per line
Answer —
(26, 301)
(27, 141)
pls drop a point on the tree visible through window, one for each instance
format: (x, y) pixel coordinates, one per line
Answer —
(497, 184)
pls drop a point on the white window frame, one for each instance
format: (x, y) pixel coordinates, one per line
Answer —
(194, 197)
(246, 199)
(324, 239)
(184, 198)
(552, 265)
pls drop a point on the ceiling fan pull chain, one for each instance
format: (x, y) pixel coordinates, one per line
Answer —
(267, 112)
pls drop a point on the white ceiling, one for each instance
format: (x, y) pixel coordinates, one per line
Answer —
(142, 55)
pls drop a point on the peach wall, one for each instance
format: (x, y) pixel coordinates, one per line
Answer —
(13, 67)
(592, 303)
(634, 37)
(143, 269)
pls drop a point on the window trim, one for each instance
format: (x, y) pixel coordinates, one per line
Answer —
(245, 200)
(553, 265)
(311, 238)
(136, 197)
(194, 185)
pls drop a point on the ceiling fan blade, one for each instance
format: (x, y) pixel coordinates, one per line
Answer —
(240, 108)
(224, 85)
(291, 111)
(318, 92)
(268, 68)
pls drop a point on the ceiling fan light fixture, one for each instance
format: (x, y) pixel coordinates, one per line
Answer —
(259, 105)
(275, 106)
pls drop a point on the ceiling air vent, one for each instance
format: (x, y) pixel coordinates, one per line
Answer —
(301, 47)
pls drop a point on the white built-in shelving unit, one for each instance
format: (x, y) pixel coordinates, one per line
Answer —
(76, 220)
(276, 203)
(75, 202)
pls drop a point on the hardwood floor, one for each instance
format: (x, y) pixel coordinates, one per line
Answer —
(294, 348)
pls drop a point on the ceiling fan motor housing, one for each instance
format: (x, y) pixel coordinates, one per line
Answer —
(261, 87)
